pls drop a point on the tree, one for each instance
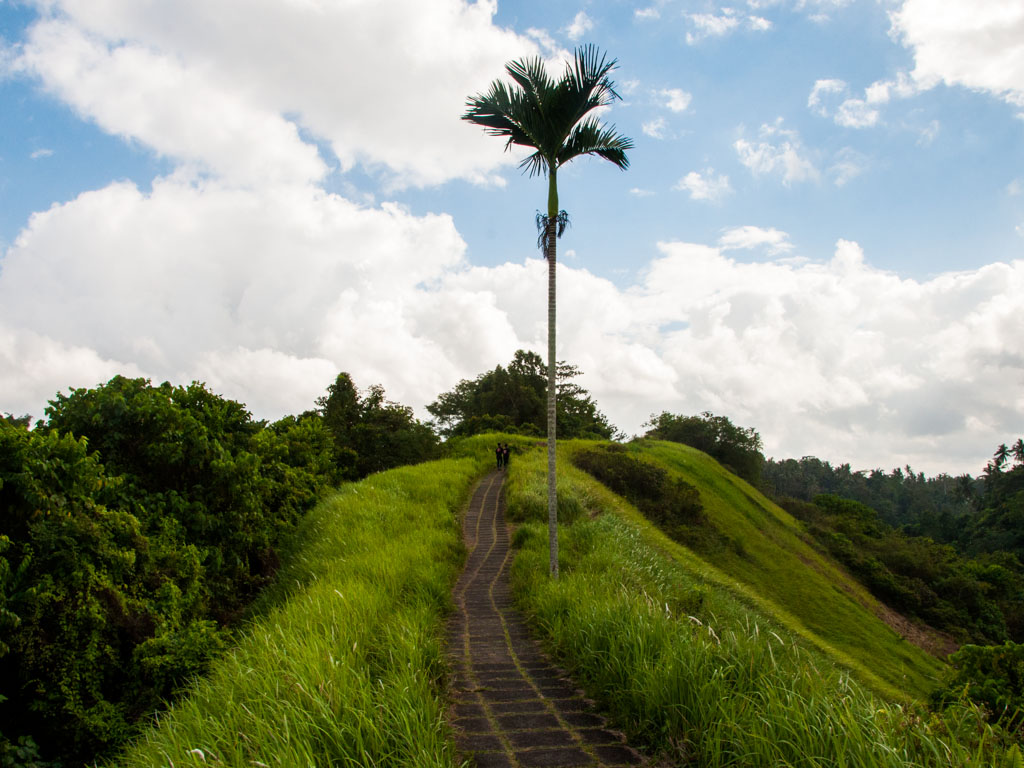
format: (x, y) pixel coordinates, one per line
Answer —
(737, 448)
(372, 433)
(511, 399)
(553, 118)
(1018, 452)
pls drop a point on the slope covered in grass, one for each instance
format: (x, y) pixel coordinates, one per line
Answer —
(344, 664)
(767, 554)
(701, 666)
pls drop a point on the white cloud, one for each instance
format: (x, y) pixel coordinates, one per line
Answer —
(654, 128)
(960, 42)
(706, 185)
(235, 92)
(676, 99)
(749, 237)
(580, 25)
(39, 153)
(647, 13)
(729, 20)
(823, 87)
(856, 113)
(1014, 188)
(780, 152)
(638, 192)
(266, 295)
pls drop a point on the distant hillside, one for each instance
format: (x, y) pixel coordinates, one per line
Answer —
(760, 551)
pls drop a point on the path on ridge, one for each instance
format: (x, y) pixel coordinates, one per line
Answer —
(513, 707)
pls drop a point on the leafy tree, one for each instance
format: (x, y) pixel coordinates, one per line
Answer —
(370, 432)
(553, 118)
(134, 527)
(512, 399)
(736, 448)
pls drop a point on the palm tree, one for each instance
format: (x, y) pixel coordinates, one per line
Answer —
(1018, 452)
(553, 118)
(1001, 455)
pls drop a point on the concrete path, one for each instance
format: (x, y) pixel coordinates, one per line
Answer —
(512, 706)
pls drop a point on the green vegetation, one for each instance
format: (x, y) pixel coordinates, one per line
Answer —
(736, 448)
(120, 567)
(345, 663)
(979, 601)
(372, 433)
(770, 557)
(136, 525)
(992, 676)
(691, 662)
(512, 399)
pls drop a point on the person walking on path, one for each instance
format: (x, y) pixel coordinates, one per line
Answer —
(505, 452)
(499, 454)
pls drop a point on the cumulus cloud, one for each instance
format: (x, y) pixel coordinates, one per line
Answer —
(959, 42)
(579, 26)
(748, 237)
(779, 152)
(235, 92)
(706, 185)
(815, 354)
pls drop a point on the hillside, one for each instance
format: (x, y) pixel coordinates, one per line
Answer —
(780, 571)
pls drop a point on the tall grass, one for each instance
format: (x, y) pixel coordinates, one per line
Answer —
(685, 666)
(344, 665)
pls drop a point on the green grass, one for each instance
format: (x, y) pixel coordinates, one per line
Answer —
(694, 663)
(808, 592)
(344, 663)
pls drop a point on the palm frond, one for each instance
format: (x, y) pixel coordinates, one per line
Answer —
(592, 138)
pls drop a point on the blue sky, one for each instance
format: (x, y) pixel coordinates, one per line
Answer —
(820, 234)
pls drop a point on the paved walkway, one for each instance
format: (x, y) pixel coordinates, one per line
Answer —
(512, 706)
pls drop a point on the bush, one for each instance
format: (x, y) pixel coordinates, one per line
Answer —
(668, 501)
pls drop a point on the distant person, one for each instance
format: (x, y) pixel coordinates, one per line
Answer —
(499, 455)
(504, 455)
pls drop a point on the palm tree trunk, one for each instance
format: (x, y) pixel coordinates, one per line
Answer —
(552, 368)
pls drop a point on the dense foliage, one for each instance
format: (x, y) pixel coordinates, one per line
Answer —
(933, 507)
(736, 448)
(514, 399)
(976, 515)
(989, 675)
(665, 499)
(975, 600)
(136, 524)
(370, 432)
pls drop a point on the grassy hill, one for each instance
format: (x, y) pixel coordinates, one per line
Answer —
(804, 589)
(762, 653)
(754, 655)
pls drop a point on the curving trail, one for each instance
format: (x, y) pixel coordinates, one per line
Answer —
(512, 706)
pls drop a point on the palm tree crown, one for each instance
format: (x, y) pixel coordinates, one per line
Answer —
(553, 118)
